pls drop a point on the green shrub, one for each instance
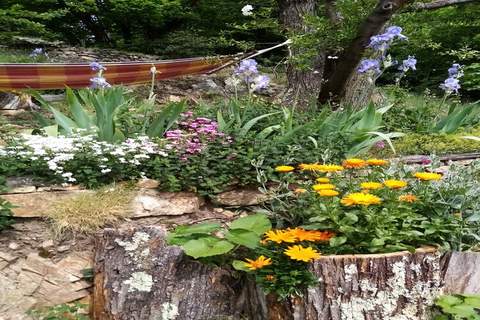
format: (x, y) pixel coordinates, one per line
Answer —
(5, 208)
(458, 307)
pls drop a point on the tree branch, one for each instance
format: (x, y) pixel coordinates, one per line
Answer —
(332, 13)
(439, 4)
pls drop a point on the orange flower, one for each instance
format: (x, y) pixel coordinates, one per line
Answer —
(270, 277)
(259, 263)
(395, 184)
(328, 193)
(354, 163)
(311, 235)
(280, 236)
(300, 253)
(299, 190)
(407, 198)
(377, 162)
(283, 169)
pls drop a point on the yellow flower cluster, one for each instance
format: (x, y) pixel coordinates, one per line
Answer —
(328, 193)
(395, 184)
(300, 253)
(320, 167)
(428, 176)
(354, 163)
(297, 235)
(324, 186)
(259, 263)
(359, 198)
(371, 185)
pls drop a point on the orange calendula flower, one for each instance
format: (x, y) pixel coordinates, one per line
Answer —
(300, 253)
(270, 277)
(371, 185)
(325, 186)
(300, 190)
(407, 198)
(280, 236)
(311, 235)
(395, 184)
(329, 168)
(428, 176)
(328, 193)
(377, 162)
(259, 263)
(283, 169)
(354, 163)
(323, 180)
(359, 198)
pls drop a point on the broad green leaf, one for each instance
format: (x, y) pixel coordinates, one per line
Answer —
(63, 121)
(240, 265)
(246, 128)
(243, 237)
(337, 241)
(51, 131)
(257, 223)
(82, 119)
(207, 247)
(204, 228)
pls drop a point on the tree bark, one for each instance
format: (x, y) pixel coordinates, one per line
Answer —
(137, 276)
(439, 4)
(303, 85)
(335, 86)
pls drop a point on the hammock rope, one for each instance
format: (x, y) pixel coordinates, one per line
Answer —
(43, 76)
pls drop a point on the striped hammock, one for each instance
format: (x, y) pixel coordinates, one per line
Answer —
(57, 76)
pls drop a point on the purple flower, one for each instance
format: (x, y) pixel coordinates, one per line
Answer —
(426, 161)
(450, 85)
(247, 69)
(381, 42)
(455, 71)
(261, 82)
(99, 83)
(95, 66)
(395, 32)
(38, 52)
(380, 144)
(369, 64)
(408, 64)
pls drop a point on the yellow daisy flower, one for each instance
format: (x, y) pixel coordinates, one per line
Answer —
(328, 193)
(259, 263)
(309, 166)
(359, 198)
(280, 236)
(325, 186)
(323, 180)
(407, 198)
(354, 163)
(371, 185)
(329, 168)
(377, 162)
(300, 253)
(428, 176)
(395, 184)
(284, 169)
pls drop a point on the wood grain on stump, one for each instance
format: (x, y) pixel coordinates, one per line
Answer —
(139, 277)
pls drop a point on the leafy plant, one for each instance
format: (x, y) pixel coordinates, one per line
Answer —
(458, 307)
(5, 208)
(457, 116)
(75, 311)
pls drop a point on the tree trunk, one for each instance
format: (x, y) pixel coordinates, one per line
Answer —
(139, 277)
(369, 287)
(303, 85)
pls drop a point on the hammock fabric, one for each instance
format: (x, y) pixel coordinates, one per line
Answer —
(57, 76)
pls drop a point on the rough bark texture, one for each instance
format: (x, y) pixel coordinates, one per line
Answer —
(336, 85)
(303, 85)
(138, 277)
(354, 287)
(439, 4)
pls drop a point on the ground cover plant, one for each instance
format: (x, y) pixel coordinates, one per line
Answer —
(358, 206)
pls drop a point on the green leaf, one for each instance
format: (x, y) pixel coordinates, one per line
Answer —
(377, 242)
(200, 228)
(63, 121)
(207, 247)
(82, 119)
(51, 131)
(240, 265)
(337, 241)
(243, 237)
(257, 223)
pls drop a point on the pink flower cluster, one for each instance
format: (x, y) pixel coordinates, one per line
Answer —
(193, 134)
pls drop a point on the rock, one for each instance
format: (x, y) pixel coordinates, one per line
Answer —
(47, 244)
(63, 248)
(148, 184)
(25, 189)
(13, 246)
(173, 98)
(154, 203)
(240, 198)
(35, 204)
(16, 182)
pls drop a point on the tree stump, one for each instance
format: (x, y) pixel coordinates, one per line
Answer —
(137, 276)
(394, 286)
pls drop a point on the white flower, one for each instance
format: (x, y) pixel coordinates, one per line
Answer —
(247, 10)
(105, 170)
